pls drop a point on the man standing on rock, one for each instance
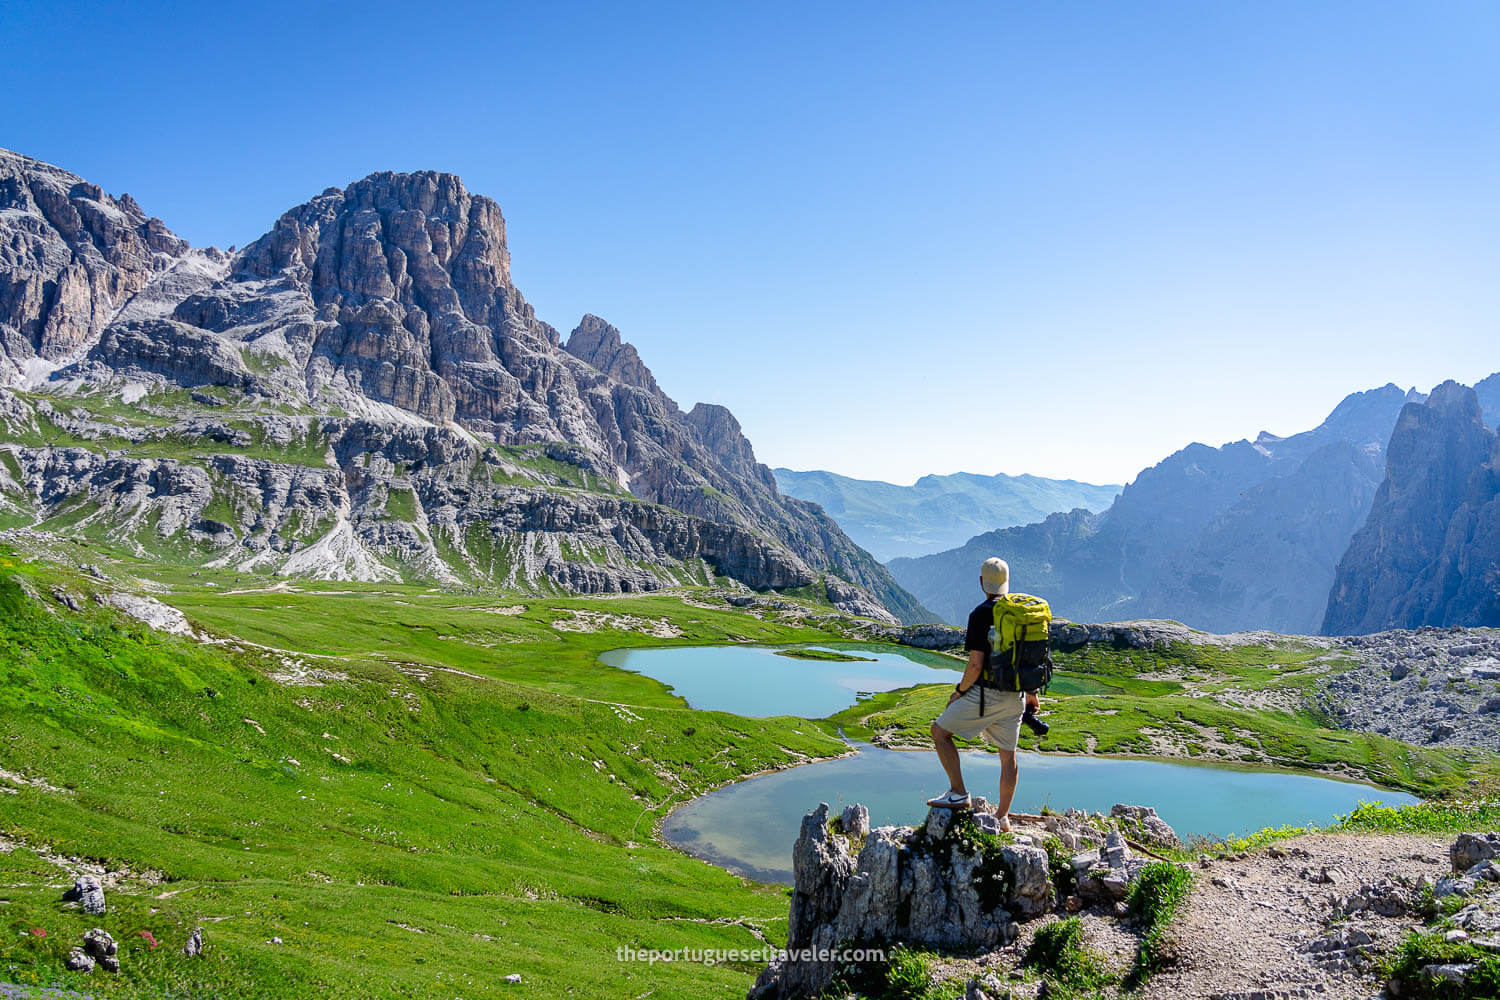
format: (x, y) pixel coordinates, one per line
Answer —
(1000, 720)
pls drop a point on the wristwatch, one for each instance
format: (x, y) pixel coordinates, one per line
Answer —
(962, 690)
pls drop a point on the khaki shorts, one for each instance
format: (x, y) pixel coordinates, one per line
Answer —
(1000, 724)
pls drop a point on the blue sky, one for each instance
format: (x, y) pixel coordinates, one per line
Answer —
(1062, 238)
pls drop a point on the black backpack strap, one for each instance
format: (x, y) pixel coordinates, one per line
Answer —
(1015, 653)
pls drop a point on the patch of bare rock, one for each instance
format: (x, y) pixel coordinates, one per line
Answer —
(1428, 685)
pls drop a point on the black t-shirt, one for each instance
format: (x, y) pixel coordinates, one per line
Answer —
(981, 620)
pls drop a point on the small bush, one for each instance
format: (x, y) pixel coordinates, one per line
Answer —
(1058, 953)
(908, 974)
(1158, 892)
(1060, 866)
(1154, 900)
(1406, 964)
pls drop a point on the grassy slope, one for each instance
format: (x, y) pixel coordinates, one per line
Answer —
(477, 826)
(1099, 703)
(474, 827)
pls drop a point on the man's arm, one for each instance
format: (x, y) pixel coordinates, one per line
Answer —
(971, 675)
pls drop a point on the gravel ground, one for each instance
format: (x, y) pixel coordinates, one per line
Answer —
(1437, 686)
(1243, 932)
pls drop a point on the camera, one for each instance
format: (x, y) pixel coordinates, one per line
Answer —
(1033, 723)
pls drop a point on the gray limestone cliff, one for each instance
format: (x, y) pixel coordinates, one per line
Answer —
(1429, 552)
(71, 259)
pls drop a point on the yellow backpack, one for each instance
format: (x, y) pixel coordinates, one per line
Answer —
(1020, 650)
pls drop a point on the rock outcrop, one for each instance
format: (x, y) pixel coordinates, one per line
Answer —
(98, 949)
(955, 883)
(945, 884)
(1429, 552)
(388, 308)
(88, 893)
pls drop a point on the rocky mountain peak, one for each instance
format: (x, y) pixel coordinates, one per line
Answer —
(720, 432)
(420, 239)
(595, 342)
(1453, 400)
(1488, 391)
(1444, 432)
(1364, 417)
(384, 312)
(1402, 568)
(71, 257)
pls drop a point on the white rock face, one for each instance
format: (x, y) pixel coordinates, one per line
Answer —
(154, 613)
(338, 555)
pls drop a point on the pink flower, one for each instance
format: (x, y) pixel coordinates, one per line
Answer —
(148, 936)
(38, 932)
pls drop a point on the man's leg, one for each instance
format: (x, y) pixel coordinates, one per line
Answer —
(1009, 772)
(942, 742)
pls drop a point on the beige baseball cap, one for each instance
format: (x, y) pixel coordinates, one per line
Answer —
(994, 576)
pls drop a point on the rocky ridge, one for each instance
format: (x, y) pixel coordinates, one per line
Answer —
(1432, 685)
(364, 388)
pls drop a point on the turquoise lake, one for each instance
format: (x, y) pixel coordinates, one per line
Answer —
(749, 827)
(755, 681)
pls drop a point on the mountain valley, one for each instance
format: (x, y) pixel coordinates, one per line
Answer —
(310, 551)
(937, 512)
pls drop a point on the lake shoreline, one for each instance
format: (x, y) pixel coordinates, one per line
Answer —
(675, 830)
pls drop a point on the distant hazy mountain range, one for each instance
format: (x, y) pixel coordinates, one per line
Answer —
(1249, 535)
(937, 512)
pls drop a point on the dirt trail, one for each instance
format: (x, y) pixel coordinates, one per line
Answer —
(1247, 926)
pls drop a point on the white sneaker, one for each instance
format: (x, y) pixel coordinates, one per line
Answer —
(950, 800)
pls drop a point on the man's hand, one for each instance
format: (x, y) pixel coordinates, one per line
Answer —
(955, 696)
(1032, 701)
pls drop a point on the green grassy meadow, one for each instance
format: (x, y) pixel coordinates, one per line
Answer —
(422, 791)
(405, 829)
